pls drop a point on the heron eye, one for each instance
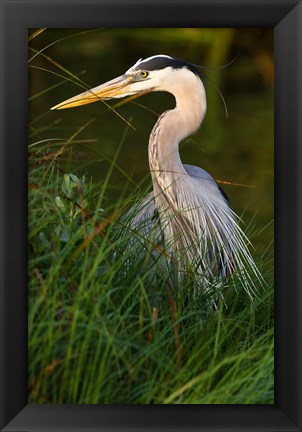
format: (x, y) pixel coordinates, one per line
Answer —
(143, 74)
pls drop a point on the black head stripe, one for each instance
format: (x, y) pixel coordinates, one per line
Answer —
(158, 63)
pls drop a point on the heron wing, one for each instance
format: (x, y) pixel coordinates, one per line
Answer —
(206, 179)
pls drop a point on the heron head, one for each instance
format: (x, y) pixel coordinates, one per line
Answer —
(157, 73)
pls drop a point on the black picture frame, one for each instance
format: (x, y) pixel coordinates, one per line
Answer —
(285, 17)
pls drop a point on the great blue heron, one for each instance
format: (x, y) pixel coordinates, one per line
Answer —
(199, 228)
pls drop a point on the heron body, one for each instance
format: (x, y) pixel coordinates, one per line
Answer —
(193, 215)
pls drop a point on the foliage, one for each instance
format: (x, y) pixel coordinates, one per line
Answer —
(98, 334)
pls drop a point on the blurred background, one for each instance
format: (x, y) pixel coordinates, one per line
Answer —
(236, 150)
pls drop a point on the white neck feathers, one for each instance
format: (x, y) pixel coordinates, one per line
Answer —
(175, 125)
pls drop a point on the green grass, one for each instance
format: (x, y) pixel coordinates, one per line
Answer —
(101, 331)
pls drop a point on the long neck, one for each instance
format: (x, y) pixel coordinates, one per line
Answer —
(175, 125)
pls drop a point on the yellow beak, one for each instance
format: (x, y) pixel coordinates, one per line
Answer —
(115, 88)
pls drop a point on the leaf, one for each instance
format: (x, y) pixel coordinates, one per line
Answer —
(43, 239)
(66, 186)
(64, 233)
(74, 178)
(67, 180)
(59, 202)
